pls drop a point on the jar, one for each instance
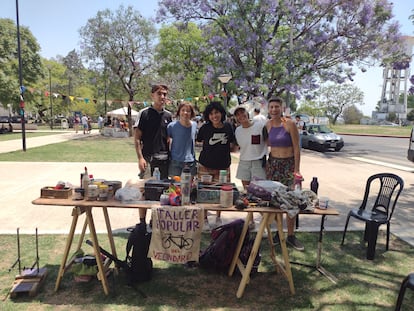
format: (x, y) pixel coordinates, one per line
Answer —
(226, 196)
(165, 198)
(79, 192)
(103, 192)
(93, 193)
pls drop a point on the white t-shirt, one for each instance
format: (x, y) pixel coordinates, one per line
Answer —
(300, 124)
(260, 118)
(251, 142)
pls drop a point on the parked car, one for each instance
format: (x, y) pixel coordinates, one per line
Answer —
(320, 137)
(4, 119)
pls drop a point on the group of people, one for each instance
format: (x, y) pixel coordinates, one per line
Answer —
(269, 147)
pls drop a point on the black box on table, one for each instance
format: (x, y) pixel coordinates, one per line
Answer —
(154, 188)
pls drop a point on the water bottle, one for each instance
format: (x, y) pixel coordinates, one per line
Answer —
(185, 186)
(85, 183)
(297, 182)
(156, 174)
(314, 185)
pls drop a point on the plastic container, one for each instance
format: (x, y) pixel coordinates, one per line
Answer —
(223, 176)
(226, 196)
(103, 192)
(185, 186)
(156, 174)
(93, 193)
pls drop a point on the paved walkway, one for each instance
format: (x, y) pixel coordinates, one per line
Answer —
(21, 183)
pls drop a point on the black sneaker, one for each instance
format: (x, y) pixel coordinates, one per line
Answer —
(295, 243)
(276, 240)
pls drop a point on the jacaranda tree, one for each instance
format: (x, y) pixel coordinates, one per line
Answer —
(276, 46)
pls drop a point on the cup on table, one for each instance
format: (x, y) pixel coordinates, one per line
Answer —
(206, 178)
(323, 202)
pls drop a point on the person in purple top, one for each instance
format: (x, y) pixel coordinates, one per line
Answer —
(284, 157)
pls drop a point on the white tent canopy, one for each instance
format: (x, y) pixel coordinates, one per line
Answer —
(122, 113)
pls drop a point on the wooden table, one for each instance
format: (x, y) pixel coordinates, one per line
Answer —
(269, 215)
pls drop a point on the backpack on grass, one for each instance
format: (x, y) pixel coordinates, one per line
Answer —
(219, 254)
(140, 266)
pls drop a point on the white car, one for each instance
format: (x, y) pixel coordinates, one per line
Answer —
(320, 137)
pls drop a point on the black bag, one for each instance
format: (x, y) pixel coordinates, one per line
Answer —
(245, 254)
(219, 254)
(140, 266)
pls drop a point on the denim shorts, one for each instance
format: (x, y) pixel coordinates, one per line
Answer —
(248, 170)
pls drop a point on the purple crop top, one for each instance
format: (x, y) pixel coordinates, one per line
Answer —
(279, 137)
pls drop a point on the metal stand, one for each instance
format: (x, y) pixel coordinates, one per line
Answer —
(29, 280)
(318, 266)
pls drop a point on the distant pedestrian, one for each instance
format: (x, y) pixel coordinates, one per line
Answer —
(258, 116)
(76, 123)
(85, 123)
(100, 123)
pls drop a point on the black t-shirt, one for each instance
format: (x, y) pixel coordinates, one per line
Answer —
(216, 145)
(153, 125)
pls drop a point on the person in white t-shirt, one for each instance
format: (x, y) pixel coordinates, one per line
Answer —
(300, 125)
(253, 149)
(258, 117)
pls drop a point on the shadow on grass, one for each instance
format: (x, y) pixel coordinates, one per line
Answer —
(362, 284)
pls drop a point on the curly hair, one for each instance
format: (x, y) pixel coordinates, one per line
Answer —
(214, 106)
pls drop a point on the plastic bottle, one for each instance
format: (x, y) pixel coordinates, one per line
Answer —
(314, 185)
(226, 196)
(297, 182)
(194, 190)
(156, 174)
(85, 182)
(223, 176)
(185, 186)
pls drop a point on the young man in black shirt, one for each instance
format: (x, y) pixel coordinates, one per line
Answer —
(151, 139)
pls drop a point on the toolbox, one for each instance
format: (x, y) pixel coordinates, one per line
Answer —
(154, 188)
(210, 193)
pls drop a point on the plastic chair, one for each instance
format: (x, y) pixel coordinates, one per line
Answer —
(389, 189)
(408, 282)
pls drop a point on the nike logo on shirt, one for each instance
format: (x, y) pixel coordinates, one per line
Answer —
(218, 138)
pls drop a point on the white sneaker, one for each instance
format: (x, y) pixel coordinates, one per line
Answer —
(206, 226)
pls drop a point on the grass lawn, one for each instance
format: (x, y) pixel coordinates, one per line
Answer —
(362, 284)
(18, 135)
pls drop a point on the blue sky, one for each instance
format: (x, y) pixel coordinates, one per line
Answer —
(56, 24)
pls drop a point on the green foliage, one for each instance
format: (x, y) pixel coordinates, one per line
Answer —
(121, 42)
(410, 115)
(352, 115)
(9, 65)
(181, 53)
(333, 99)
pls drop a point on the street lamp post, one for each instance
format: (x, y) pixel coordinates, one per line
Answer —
(50, 98)
(224, 79)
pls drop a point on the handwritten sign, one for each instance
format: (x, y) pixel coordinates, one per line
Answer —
(176, 233)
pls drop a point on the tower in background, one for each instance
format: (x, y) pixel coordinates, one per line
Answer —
(395, 83)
